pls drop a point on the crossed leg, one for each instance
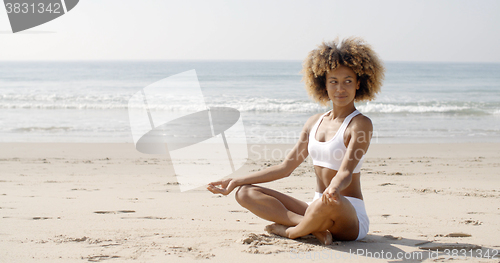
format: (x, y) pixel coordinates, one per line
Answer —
(294, 218)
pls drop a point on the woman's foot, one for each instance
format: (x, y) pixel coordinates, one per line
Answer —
(325, 237)
(277, 229)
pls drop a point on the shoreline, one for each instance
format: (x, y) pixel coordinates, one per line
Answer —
(128, 149)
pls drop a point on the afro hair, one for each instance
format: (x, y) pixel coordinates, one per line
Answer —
(351, 52)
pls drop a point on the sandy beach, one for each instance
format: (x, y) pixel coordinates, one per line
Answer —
(107, 202)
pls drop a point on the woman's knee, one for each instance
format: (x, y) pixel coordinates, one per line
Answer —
(319, 208)
(243, 194)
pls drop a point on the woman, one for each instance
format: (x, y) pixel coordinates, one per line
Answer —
(337, 140)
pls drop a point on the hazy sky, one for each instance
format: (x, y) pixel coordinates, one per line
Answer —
(437, 30)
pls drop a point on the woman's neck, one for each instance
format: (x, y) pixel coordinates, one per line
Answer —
(342, 111)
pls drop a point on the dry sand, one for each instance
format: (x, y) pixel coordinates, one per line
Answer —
(107, 202)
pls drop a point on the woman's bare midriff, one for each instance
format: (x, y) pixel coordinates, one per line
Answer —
(325, 175)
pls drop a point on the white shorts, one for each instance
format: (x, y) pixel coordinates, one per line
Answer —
(359, 206)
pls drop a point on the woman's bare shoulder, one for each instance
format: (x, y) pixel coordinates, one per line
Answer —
(311, 121)
(361, 122)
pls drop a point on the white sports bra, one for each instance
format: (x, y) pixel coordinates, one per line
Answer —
(330, 154)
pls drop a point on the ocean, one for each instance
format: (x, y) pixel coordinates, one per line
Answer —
(86, 101)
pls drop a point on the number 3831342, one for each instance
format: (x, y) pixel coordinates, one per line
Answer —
(40, 8)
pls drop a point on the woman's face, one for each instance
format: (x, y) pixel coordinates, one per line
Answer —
(341, 85)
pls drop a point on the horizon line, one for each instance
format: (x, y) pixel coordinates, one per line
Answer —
(228, 60)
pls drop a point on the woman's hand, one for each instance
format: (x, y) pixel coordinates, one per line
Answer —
(331, 195)
(226, 186)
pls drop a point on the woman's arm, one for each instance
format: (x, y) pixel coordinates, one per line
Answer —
(360, 133)
(296, 156)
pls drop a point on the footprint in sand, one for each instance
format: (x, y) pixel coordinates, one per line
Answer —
(472, 222)
(258, 240)
(198, 254)
(115, 212)
(458, 235)
(100, 258)
(148, 217)
(41, 218)
(393, 237)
